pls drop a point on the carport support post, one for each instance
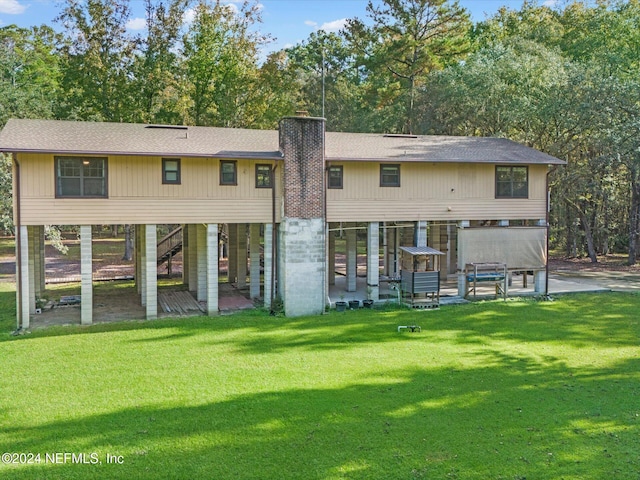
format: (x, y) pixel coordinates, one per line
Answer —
(22, 289)
(420, 234)
(352, 257)
(540, 276)
(268, 263)
(254, 251)
(33, 262)
(202, 246)
(462, 281)
(86, 276)
(212, 269)
(151, 271)
(373, 261)
(143, 261)
(37, 242)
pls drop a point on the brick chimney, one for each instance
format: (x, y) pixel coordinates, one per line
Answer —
(302, 237)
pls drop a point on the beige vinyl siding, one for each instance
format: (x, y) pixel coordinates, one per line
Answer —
(432, 192)
(147, 210)
(137, 195)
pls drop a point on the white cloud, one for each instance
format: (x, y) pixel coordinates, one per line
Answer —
(327, 26)
(12, 7)
(137, 24)
(233, 7)
(550, 3)
(188, 16)
(334, 26)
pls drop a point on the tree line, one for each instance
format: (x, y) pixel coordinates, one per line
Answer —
(561, 80)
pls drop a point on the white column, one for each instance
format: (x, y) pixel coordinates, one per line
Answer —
(420, 234)
(373, 261)
(32, 269)
(151, 271)
(539, 281)
(540, 277)
(268, 263)
(201, 234)
(461, 276)
(86, 276)
(23, 293)
(352, 258)
(254, 251)
(34, 242)
(241, 255)
(212, 269)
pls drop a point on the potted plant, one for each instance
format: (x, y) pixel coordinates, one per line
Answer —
(354, 304)
(341, 305)
(368, 303)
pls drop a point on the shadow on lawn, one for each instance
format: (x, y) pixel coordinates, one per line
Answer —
(577, 320)
(511, 420)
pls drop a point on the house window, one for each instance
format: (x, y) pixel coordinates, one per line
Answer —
(81, 177)
(228, 172)
(389, 175)
(512, 182)
(263, 176)
(335, 176)
(171, 171)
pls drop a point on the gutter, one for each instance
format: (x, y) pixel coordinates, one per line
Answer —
(273, 238)
(18, 239)
(548, 218)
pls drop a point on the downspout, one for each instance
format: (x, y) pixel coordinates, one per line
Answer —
(273, 237)
(17, 224)
(548, 218)
(325, 182)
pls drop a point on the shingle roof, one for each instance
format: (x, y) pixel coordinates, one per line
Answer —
(55, 136)
(432, 148)
(137, 139)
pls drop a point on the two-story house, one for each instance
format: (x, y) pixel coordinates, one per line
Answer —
(475, 199)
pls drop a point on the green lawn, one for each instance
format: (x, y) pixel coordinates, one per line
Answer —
(491, 390)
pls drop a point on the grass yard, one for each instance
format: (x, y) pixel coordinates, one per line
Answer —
(492, 390)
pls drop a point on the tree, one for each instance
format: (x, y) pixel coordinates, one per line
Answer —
(156, 65)
(278, 89)
(29, 72)
(325, 68)
(97, 56)
(220, 65)
(408, 39)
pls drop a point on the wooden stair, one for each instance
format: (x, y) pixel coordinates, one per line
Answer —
(169, 246)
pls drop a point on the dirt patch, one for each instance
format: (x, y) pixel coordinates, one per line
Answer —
(606, 263)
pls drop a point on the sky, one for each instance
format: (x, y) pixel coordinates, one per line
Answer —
(287, 21)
